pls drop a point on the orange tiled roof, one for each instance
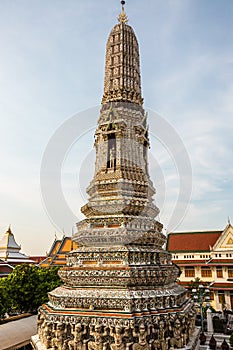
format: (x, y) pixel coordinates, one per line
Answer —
(55, 247)
(57, 254)
(192, 241)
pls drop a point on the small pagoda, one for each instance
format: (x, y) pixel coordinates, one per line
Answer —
(10, 250)
(120, 290)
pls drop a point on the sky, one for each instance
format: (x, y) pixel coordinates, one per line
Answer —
(51, 84)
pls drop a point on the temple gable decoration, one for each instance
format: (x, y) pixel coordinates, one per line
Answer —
(225, 241)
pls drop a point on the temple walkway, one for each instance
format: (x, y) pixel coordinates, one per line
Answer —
(17, 334)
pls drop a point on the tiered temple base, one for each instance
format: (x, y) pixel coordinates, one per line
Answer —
(117, 298)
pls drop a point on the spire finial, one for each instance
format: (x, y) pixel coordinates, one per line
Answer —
(122, 18)
(9, 229)
(229, 220)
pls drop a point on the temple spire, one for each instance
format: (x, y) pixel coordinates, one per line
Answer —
(122, 81)
(122, 18)
(119, 282)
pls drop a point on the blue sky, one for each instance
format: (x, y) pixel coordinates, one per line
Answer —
(52, 67)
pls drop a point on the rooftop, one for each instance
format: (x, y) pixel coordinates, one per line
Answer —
(201, 241)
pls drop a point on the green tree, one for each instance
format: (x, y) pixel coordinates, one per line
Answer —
(28, 285)
(4, 300)
(48, 279)
(195, 284)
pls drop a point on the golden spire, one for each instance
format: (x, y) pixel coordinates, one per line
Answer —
(122, 18)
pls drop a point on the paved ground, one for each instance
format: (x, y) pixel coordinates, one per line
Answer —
(17, 333)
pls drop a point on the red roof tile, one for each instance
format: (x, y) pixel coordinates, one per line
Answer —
(38, 259)
(185, 283)
(222, 286)
(192, 241)
(5, 269)
(221, 262)
(190, 262)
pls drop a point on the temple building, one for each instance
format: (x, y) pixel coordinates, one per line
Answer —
(120, 290)
(10, 251)
(58, 252)
(208, 256)
(5, 269)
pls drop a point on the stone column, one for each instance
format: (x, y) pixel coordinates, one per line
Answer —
(210, 328)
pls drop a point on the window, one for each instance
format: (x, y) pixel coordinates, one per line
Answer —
(189, 271)
(230, 272)
(211, 295)
(221, 297)
(206, 272)
(219, 272)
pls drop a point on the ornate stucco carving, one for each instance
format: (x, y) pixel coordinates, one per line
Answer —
(120, 290)
(122, 68)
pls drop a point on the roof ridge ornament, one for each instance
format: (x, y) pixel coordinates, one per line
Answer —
(122, 18)
(9, 229)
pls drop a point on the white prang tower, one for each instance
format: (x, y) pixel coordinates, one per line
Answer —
(120, 290)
